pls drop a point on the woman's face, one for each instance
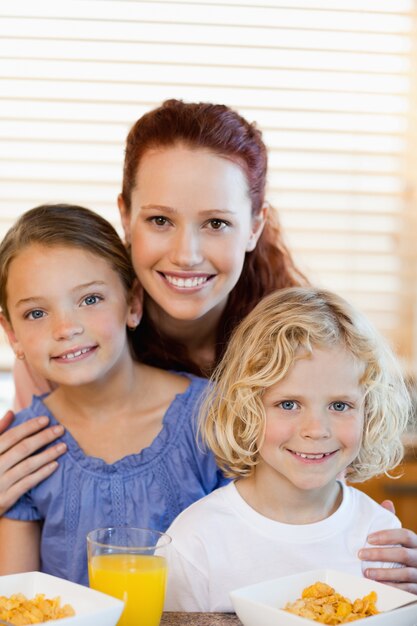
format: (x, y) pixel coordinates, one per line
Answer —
(190, 226)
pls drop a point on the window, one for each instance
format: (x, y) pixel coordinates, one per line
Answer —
(332, 84)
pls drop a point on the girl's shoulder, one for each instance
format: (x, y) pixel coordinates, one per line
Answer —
(193, 392)
(36, 409)
(186, 404)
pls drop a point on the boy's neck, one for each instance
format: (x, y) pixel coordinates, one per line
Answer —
(282, 502)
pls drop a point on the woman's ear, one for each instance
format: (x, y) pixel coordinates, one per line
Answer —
(135, 306)
(258, 223)
(13, 341)
(124, 217)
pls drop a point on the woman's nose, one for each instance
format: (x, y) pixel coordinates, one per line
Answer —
(186, 250)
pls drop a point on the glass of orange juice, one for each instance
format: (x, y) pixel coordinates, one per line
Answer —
(130, 564)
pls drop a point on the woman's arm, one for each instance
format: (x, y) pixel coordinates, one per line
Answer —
(19, 546)
(27, 383)
(402, 549)
(19, 470)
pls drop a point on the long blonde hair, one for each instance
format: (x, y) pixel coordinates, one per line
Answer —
(262, 350)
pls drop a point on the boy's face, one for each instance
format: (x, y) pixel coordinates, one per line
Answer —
(68, 311)
(314, 421)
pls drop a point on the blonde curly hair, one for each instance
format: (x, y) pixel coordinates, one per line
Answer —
(260, 353)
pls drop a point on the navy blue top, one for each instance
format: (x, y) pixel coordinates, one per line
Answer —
(146, 490)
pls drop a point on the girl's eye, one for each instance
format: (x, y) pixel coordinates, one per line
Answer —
(89, 300)
(217, 224)
(288, 405)
(339, 406)
(159, 220)
(36, 314)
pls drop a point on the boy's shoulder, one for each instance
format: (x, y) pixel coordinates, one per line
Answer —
(369, 509)
(204, 511)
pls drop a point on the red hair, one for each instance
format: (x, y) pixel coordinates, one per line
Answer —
(269, 266)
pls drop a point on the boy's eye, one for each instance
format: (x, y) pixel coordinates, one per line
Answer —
(288, 405)
(339, 406)
(89, 300)
(36, 314)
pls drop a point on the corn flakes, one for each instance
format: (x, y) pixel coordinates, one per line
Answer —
(20, 611)
(321, 603)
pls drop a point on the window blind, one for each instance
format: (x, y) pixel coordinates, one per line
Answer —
(331, 83)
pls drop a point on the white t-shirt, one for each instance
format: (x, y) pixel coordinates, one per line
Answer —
(220, 543)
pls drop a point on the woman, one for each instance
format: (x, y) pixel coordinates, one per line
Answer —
(206, 249)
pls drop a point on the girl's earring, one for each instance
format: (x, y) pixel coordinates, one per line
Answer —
(131, 328)
(20, 355)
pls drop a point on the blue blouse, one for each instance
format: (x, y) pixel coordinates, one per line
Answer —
(146, 490)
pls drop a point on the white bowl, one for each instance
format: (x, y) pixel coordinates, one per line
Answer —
(91, 607)
(261, 604)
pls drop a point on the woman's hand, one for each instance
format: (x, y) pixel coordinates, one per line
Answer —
(403, 550)
(19, 470)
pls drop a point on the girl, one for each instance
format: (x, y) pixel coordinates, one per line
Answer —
(67, 294)
(206, 249)
(306, 391)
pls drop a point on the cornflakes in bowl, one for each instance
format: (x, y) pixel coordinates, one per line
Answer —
(88, 607)
(263, 604)
(321, 603)
(22, 611)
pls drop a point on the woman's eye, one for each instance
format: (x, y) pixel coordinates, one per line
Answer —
(36, 314)
(288, 405)
(89, 300)
(339, 406)
(217, 224)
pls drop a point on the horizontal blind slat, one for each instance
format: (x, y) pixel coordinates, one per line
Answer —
(328, 82)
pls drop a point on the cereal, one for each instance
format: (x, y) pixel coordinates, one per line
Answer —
(321, 603)
(20, 611)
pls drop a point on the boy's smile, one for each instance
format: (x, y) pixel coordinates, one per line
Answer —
(314, 424)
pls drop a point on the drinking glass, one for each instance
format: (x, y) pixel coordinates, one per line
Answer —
(130, 564)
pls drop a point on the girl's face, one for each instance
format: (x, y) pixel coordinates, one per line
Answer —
(68, 310)
(314, 421)
(190, 226)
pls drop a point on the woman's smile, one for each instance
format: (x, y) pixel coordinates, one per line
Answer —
(186, 282)
(190, 225)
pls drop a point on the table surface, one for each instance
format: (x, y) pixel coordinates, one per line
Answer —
(200, 619)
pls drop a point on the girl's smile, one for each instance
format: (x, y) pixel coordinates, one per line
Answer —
(71, 326)
(76, 354)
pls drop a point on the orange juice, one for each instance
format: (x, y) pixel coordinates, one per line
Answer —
(137, 579)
